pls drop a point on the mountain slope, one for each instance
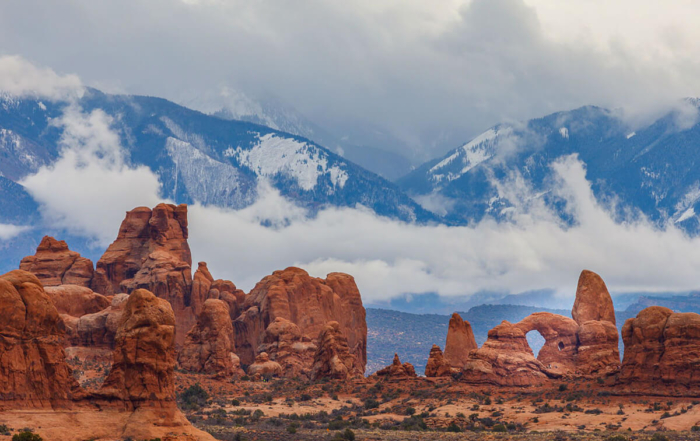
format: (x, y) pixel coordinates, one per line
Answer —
(653, 169)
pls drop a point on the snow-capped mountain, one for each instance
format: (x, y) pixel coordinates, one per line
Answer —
(368, 147)
(653, 169)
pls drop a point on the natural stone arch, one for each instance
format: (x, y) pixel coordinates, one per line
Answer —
(560, 347)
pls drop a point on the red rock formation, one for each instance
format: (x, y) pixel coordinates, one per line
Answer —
(662, 351)
(205, 287)
(97, 330)
(505, 359)
(264, 367)
(309, 303)
(593, 302)
(209, 345)
(597, 352)
(151, 252)
(144, 357)
(76, 301)
(561, 340)
(437, 365)
(285, 344)
(397, 370)
(54, 264)
(333, 358)
(460, 341)
(33, 369)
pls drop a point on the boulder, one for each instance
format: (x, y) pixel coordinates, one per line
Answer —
(285, 344)
(460, 341)
(593, 302)
(54, 264)
(437, 365)
(308, 302)
(662, 351)
(333, 358)
(505, 359)
(76, 301)
(209, 345)
(33, 368)
(144, 356)
(264, 367)
(397, 370)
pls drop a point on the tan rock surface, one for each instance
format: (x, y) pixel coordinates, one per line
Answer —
(333, 359)
(437, 365)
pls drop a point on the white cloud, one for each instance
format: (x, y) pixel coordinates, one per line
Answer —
(19, 77)
(90, 187)
(415, 68)
(389, 258)
(8, 231)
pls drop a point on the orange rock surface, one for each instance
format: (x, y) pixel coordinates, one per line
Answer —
(460, 341)
(54, 264)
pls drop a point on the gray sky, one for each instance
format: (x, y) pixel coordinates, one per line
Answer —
(418, 68)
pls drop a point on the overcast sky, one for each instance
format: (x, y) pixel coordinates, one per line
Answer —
(414, 67)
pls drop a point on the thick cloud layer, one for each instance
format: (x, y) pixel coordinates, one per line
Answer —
(431, 72)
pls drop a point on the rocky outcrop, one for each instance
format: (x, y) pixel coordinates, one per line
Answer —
(264, 367)
(437, 365)
(144, 357)
(561, 340)
(333, 358)
(593, 302)
(209, 346)
(54, 264)
(460, 341)
(205, 287)
(597, 353)
(33, 368)
(96, 330)
(397, 370)
(285, 344)
(308, 302)
(76, 301)
(662, 350)
(505, 359)
(151, 252)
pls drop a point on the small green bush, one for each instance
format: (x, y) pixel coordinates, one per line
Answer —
(499, 428)
(27, 436)
(657, 437)
(453, 427)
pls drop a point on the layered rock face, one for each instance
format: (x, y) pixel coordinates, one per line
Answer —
(662, 350)
(561, 340)
(151, 252)
(505, 359)
(285, 344)
(597, 352)
(437, 365)
(333, 358)
(144, 357)
(460, 341)
(308, 302)
(209, 346)
(97, 330)
(397, 370)
(54, 264)
(33, 369)
(76, 301)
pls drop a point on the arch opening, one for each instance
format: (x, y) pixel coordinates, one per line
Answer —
(561, 346)
(535, 340)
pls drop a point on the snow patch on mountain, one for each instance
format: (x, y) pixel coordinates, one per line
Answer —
(274, 155)
(471, 154)
(208, 181)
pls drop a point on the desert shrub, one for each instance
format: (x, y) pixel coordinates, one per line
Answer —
(563, 387)
(499, 428)
(347, 435)
(453, 427)
(4, 430)
(235, 402)
(27, 436)
(659, 437)
(410, 411)
(193, 397)
(371, 403)
(595, 411)
(695, 429)
(304, 397)
(616, 438)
